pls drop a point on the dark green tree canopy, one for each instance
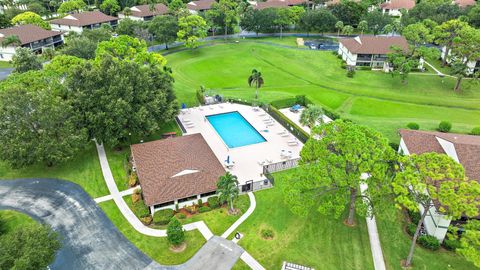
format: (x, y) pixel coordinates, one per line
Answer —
(25, 60)
(331, 167)
(349, 12)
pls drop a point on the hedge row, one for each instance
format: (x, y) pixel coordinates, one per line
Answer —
(287, 123)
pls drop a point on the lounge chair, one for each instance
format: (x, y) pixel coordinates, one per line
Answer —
(284, 135)
(189, 125)
(292, 142)
(295, 108)
(262, 113)
(186, 120)
(282, 132)
(270, 124)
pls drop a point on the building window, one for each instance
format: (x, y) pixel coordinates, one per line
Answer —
(208, 194)
(194, 197)
(163, 204)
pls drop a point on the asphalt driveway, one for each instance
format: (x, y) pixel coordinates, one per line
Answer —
(90, 240)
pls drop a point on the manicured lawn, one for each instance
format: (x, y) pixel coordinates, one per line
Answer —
(370, 98)
(5, 64)
(14, 219)
(316, 241)
(156, 248)
(117, 158)
(396, 244)
(217, 220)
(241, 265)
(84, 170)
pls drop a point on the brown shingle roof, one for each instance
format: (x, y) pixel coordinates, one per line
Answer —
(145, 11)
(467, 147)
(279, 3)
(200, 5)
(159, 162)
(465, 3)
(28, 33)
(398, 4)
(374, 44)
(84, 18)
(334, 2)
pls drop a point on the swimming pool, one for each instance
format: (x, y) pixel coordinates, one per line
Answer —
(235, 130)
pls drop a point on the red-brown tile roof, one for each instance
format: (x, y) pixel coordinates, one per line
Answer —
(145, 11)
(374, 44)
(465, 3)
(279, 3)
(84, 18)
(398, 4)
(467, 147)
(334, 2)
(28, 33)
(159, 162)
(200, 5)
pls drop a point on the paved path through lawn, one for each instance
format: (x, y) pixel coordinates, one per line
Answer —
(376, 248)
(251, 208)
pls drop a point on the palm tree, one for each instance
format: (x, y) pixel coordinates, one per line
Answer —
(257, 79)
(227, 188)
(13, 40)
(339, 27)
(311, 115)
(127, 12)
(347, 30)
(362, 26)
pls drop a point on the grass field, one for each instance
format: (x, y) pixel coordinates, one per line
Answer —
(84, 169)
(156, 248)
(14, 219)
(315, 241)
(371, 98)
(324, 243)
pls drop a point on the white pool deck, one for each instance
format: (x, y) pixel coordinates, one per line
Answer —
(246, 158)
(295, 117)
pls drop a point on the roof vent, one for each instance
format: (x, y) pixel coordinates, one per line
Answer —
(185, 172)
(357, 39)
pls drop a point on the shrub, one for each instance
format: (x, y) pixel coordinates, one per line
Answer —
(475, 131)
(177, 207)
(147, 220)
(204, 209)
(181, 216)
(451, 244)
(414, 216)
(343, 65)
(132, 180)
(140, 209)
(175, 232)
(162, 217)
(444, 126)
(192, 209)
(429, 242)
(350, 73)
(267, 233)
(330, 114)
(300, 99)
(413, 126)
(411, 228)
(213, 202)
(200, 203)
(394, 146)
(136, 197)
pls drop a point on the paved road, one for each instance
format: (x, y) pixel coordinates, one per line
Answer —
(90, 240)
(4, 72)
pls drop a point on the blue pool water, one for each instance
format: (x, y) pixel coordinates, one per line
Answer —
(235, 130)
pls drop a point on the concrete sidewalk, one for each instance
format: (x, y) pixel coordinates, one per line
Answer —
(251, 208)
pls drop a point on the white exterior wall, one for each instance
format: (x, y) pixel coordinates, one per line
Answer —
(403, 147)
(435, 223)
(180, 205)
(393, 12)
(133, 18)
(7, 53)
(347, 56)
(66, 28)
(471, 64)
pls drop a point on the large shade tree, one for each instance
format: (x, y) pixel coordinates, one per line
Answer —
(117, 97)
(332, 164)
(446, 33)
(25, 60)
(434, 180)
(191, 28)
(164, 29)
(223, 14)
(465, 49)
(29, 17)
(37, 125)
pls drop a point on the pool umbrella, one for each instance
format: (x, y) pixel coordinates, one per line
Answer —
(184, 106)
(228, 159)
